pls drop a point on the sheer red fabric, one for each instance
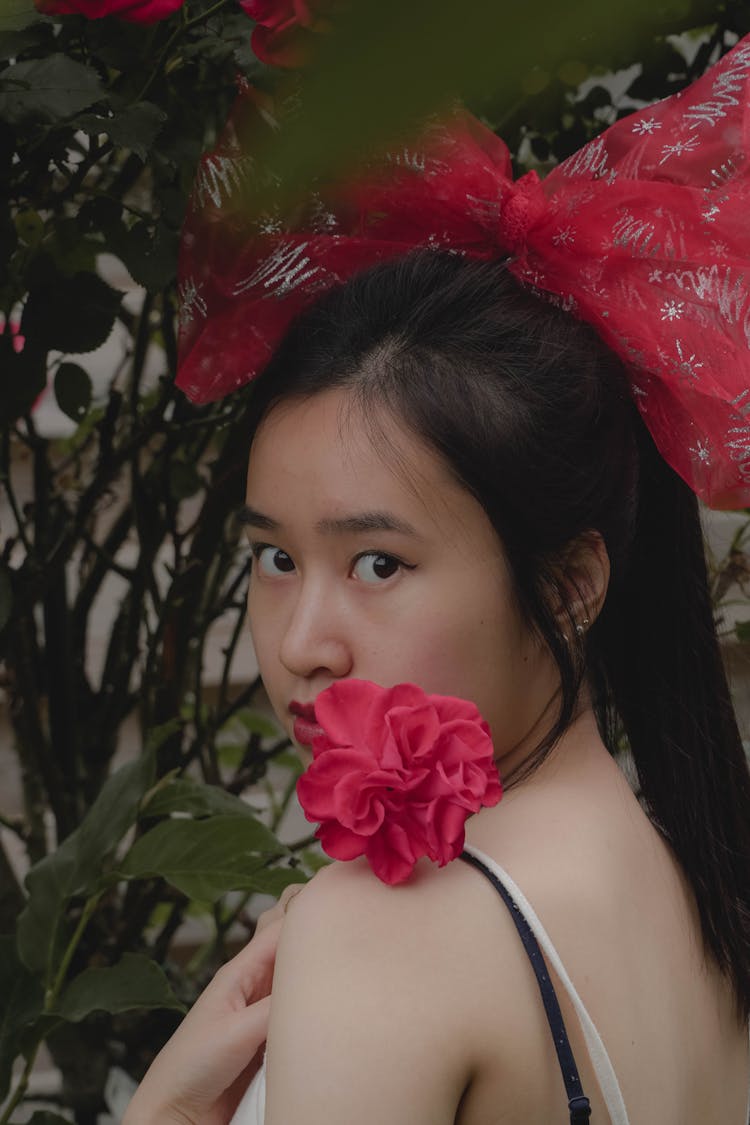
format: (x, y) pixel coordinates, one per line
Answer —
(644, 233)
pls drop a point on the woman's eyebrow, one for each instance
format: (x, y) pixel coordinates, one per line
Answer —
(253, 518)
(342, 525)
(367, 521)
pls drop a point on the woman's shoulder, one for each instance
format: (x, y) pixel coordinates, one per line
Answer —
(386, 981)
(438, 913)
(413, 928)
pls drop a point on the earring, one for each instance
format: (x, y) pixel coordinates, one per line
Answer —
(581, 628)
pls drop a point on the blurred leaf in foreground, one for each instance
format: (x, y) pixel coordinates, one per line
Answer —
(387, 65)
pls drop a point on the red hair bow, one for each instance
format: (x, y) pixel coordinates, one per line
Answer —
(644, 233)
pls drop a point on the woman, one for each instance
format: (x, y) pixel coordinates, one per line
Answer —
(449, 484)
(410, 519)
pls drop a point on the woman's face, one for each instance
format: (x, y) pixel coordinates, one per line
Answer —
(375, 564)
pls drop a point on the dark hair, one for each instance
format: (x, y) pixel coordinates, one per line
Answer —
(533, 415)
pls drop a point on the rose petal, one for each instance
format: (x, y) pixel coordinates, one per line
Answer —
(343, 710)
(415, 731)
(446, 831)
(339, 843)
(358, 807)
(391, 855)
(315, 786)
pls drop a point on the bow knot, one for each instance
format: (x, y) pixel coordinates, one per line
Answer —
(523, 206)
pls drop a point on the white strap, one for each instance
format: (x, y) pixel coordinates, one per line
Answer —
(605, 1074)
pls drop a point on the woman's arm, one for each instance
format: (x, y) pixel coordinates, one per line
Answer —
(362, 1027)
(200, 1075)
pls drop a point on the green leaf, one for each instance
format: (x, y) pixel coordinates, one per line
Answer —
(12, 43)
(70, 314)
(17, 14)
(204, 858)
(22, 1001)
(73, 390)
(188, 796)
(6, 599)
(431, 52)
(49, 89)
(150, 258)
(46, 1117)
(134, 982)
(75, 868)
(29, 227)
(71, 253)
(159, 735)
(258, 724)
(289, 760)
(273, 880)
(742, 631)
(136, 127)
(314, 861)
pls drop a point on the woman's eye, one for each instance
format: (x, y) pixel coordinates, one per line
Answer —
(271, 561)
(373, 567)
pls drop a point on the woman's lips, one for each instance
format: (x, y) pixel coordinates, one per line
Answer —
(305, 726)
(305, 730)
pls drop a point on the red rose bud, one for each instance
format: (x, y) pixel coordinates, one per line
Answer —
(396, 775)
(281, 36)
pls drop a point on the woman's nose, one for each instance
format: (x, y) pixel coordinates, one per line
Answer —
(316, 637)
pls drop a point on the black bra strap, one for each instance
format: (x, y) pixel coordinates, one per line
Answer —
(578, 1103)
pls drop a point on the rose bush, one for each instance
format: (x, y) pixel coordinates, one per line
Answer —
(136, 11)
(396, 775)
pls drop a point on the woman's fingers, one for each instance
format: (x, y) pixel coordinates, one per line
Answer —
(247, 977)
(279, 910)
(202, 1072)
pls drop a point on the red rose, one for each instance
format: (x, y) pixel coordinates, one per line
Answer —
(136, 11)
(280, 36)
(396, 775)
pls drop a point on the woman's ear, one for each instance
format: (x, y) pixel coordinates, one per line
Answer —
(582, 579)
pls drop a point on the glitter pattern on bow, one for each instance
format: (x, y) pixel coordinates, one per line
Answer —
(642, 233)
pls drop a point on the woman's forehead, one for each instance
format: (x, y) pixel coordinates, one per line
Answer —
(335, 430)
(340, 458)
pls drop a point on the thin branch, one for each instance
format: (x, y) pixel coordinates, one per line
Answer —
(229, 652)
(110, 563)
(5, 480)
(16, 826)
(303, 844)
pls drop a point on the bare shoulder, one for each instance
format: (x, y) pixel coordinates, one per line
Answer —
(407, 931)
(411, 982)
(434, 919)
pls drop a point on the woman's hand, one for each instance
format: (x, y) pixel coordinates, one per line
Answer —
(200, 1075)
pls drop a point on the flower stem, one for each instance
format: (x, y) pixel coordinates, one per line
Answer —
(20, 1089)
(208, 12)
(53, 993)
